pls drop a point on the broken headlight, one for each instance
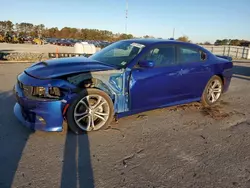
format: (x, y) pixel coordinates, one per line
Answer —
(54, 91)
(39, 91)
(42, 92)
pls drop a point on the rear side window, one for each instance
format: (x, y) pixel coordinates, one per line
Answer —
(189, 55)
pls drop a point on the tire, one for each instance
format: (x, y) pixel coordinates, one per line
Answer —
(207, 96)
(81, 114)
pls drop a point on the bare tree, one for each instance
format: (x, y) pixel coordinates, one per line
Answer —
(184, 39)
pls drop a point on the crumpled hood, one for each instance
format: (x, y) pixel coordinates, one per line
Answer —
(58, 67)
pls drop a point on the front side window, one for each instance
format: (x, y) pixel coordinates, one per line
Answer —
(163, 55)
(189, 55)
(119, 53)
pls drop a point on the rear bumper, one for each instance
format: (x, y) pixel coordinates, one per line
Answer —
(227, 76)
(227, 82)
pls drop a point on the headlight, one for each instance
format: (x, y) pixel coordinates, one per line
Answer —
(39, 91)
(54, 91)
(42, 92)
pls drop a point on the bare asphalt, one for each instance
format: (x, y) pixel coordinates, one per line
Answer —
(185, 146)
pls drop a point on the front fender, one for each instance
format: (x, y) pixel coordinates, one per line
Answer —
(112, 82)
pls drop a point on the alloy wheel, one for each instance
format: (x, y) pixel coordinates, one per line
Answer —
(91, 112)
(214, 91)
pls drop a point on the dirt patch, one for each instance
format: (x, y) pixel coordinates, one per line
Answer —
(215, 112)
(191, 106)
(224, 102)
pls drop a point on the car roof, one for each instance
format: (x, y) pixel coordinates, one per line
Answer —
(159, 41)
(149, 42)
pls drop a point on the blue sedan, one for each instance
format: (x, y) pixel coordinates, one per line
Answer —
(125, 78)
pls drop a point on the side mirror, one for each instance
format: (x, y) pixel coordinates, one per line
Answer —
(146, 64)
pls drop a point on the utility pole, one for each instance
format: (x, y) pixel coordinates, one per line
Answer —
(173, 32)
(126, 17)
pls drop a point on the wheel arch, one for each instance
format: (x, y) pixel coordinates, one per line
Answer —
(70, 114)
(204, 100)
(90, 82)
(221, 77)
(111, 82)
(98, 84)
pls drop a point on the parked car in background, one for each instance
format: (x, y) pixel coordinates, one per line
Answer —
(51, 40)
(125, 78)
(104, 44)
(67, 42)
(59, 42)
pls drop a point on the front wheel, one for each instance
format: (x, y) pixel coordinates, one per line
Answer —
(92, 110)
(212, 91)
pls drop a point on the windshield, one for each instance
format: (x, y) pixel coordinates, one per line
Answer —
(119, 53)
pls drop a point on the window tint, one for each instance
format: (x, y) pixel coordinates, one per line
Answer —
(162, 56)
(188, 55)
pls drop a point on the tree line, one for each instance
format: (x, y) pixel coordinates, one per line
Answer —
(233, 42)
(25, 29)
(28, 29)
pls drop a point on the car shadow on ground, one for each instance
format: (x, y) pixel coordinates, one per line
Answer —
(13, 138)
(241, 72)
(77, 169)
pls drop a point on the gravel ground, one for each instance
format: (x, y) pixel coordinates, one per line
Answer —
(185, 146)
(10, 48)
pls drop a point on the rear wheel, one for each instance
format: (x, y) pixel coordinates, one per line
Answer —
(212, 91)
(91, 111)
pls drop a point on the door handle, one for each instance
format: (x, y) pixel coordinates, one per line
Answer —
(184, 71)
(181, 72)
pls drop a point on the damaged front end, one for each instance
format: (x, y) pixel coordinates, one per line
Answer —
(42, 103)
